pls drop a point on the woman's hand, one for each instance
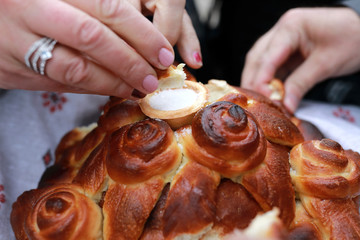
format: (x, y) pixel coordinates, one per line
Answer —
(305, 47)
(171, 18)
(104, 47)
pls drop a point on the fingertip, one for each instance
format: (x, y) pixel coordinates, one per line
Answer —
(150, 83)
(193, 60)
(166, 57)
(188, 44)
(197, 59)
(291, 102)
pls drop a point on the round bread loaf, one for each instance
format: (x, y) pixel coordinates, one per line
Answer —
(202, 169)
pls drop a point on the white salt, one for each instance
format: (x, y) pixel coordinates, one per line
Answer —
(173, 99)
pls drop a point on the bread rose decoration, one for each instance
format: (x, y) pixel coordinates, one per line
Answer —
(324, 169)
(142, 150)
(225, 138)
(58, 212)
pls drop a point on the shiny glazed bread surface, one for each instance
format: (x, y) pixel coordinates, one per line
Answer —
(322, 168)
(61, 211)
(224, 137)
(133, 177)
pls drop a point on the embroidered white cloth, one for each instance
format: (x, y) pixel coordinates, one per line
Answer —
(32, 124)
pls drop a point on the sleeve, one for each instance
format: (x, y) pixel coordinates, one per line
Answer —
(354, 4)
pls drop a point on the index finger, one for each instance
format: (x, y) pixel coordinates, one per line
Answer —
(168, 18)
(127, 22)
(261, 68)
(76, 29)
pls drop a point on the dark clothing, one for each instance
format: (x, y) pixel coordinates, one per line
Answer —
(242, 22)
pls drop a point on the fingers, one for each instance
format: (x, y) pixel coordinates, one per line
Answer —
(115, 51)
(172, 20)
(136, 4)
(303, 79)
(254, 59)
(73, 72)
(189, 45)
(79, 31)
(267, 57)
(168, 18)
(275, 54)
(71, 68)
(125, 19)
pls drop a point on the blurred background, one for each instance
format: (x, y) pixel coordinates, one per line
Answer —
(228, 28)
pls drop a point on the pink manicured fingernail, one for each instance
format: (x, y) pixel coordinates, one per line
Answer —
(197, 57)
(166, 57)
(150, 83)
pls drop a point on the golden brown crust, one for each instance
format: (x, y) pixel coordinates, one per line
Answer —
(155, 224)
(112, 102)
(201, 175)
(270, 183)
(225, 138)
(126, 208)
(142, 150)
(235, 207)
(56, 174)
(118, 113)
(190, 207)
(276, 125)
(71, 159)
(69, 140)
(57, 212)
(324, 169)
(86, 146)
(92, 175)
(336, 218)
(303, 226)
(307, 129)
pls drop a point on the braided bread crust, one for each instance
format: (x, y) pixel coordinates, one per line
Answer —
(276, 125)
(58, 212)
(323, 169)
(225, 138)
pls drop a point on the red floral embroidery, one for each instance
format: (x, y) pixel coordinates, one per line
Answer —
(47, 158)
(54, 101)
(2, 195)
(344, 114)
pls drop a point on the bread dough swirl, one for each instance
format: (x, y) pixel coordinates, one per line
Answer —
(324, 169)
(57, 212)
(273, 120)
(142, 150)
(225, 138)
(335, 218)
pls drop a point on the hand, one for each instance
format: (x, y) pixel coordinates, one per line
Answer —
(105, 47)
(305, 47)
(172, 20)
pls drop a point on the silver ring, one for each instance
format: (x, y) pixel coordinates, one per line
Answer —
(41, 49)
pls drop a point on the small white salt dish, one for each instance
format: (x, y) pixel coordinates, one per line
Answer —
(176, 106)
